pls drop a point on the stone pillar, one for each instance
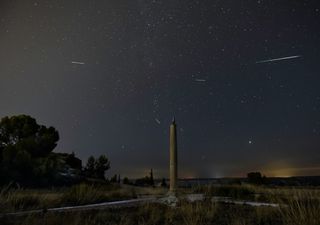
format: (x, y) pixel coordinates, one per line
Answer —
(173, 157)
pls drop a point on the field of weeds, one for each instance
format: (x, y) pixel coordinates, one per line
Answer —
(13, 199)
(297, 206)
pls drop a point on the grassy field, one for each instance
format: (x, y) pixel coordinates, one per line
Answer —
(297, 206)
(18, 199)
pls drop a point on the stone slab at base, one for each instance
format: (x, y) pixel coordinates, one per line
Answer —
(170, 200)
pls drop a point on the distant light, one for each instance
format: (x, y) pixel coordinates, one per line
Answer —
(250, 142)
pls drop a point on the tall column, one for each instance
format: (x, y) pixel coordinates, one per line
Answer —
(173, 157)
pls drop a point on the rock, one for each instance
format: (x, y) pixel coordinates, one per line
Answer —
(170, 200)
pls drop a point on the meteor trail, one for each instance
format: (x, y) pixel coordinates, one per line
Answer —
(79, 63)
(200, 80)
(279, 59)
(157, 120)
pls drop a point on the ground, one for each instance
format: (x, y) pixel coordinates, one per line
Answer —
(297, 206)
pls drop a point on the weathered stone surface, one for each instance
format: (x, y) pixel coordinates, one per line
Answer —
(173, 157)
(170, 200)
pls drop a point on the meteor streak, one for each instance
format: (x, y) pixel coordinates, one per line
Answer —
(79, 63)
(279, 59)
(200, 80)
(157, 120)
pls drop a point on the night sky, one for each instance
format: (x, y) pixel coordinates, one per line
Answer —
(110, 75)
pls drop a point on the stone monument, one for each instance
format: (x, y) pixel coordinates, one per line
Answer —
(173, 157)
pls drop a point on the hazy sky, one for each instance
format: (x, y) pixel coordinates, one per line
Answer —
(110, 75)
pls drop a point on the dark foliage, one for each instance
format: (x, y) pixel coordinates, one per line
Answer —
(96, 168)
(163, 182)
(256, 178)
(26, 155)
(25, 148)
(126, 180)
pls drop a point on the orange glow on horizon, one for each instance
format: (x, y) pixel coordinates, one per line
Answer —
(293, 171)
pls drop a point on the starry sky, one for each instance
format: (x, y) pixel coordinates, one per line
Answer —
(110, 75)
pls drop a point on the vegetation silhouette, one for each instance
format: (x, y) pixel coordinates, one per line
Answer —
(25, 150)
(27, 157)
(256, 178)
(96, 168)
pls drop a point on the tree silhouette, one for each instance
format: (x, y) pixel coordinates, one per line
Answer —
(114, 179)
(96, 167)
(256, 178)
(23, 146)
(23, 133)
(151, 178)
(102, 165)
(90, 167)
(126, 180)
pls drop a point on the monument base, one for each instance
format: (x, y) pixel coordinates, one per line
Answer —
(170, 200)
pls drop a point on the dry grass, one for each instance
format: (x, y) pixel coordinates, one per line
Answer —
(303, 207)
(13, 199)
(86, 194)
(141, 191)
(298, 207)
(198, 213)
